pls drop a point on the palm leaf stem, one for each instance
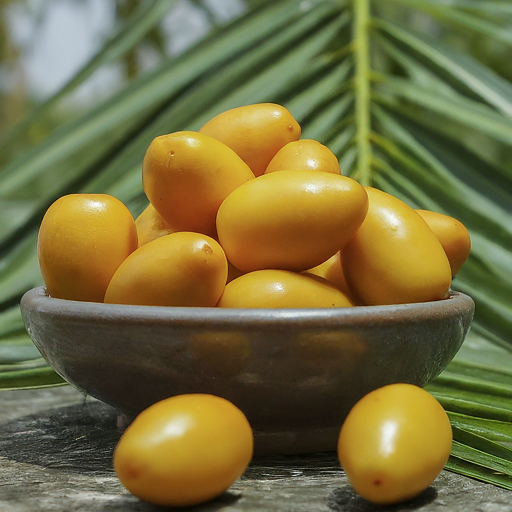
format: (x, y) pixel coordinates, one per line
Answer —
(362, 89)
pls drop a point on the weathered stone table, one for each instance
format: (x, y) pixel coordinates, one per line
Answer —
(56, 455)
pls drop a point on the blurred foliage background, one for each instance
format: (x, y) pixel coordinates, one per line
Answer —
(413, 96)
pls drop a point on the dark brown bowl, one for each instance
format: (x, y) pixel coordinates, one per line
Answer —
(295, 373)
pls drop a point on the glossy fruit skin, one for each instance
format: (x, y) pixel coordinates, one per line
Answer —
(151, 225)
(290, 220)
(452, 234)
(83, 238)
(281, 289)
(394, 443)
(184, 450)
(304, 154)
(186, 176)
(180, 269)
(395, 258)
(255, 132)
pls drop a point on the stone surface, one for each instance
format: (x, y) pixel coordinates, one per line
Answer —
(56, 455)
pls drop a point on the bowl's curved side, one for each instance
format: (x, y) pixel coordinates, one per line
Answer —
(294, 373)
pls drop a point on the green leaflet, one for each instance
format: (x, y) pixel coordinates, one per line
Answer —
(145, 17)
(483, 473)
(37, 377)
(463, 68)
(462, 18)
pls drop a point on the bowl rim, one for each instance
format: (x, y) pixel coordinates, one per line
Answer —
(37, 300)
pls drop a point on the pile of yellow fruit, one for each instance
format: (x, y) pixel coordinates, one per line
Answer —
(245, 214)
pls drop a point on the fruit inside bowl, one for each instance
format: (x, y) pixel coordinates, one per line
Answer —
(295, 373)
(258, 273)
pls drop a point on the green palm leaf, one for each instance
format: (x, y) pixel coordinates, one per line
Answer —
(403, 110)
(145, 17)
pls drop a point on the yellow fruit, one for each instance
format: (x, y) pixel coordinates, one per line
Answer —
(332, 270)
(394, 257)
(184, 450)
(394, 443)
(82, 240)
(187, 175)
(290, 220)
(452, 234)
(281, 289)
(305, 154)
(180, 269)
(150, 226)
(255, 132)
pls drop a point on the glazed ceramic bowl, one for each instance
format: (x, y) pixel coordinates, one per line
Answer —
(295, 373)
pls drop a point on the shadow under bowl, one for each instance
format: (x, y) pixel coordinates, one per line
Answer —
(295, 373)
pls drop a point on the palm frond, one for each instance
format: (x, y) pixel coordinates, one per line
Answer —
(146, 16)
(403, 110)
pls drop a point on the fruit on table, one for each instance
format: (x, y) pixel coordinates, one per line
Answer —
(281, 289)
(394, 442)
(186, 176)
(184, 450)
(255, 132)
(150, 226)
(180, 269)
(291, 220)
(394, 257)
(304, 154)
(83, 238)
(452, 234)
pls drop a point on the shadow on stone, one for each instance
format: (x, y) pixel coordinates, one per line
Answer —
(227, 499)
(82, 438)
(78, 438)
(344, 499)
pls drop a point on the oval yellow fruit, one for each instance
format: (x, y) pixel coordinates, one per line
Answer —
(290, 220)
(186, 176)
(83, 238)
(150, 226)
(180, 269)
(281, 289)
(452, 234)
(304, 154)
(394, 257)
(184, 450)
(394, 442)
(255, 132)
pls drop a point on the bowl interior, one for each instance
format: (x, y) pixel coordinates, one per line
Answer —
(295, 373)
